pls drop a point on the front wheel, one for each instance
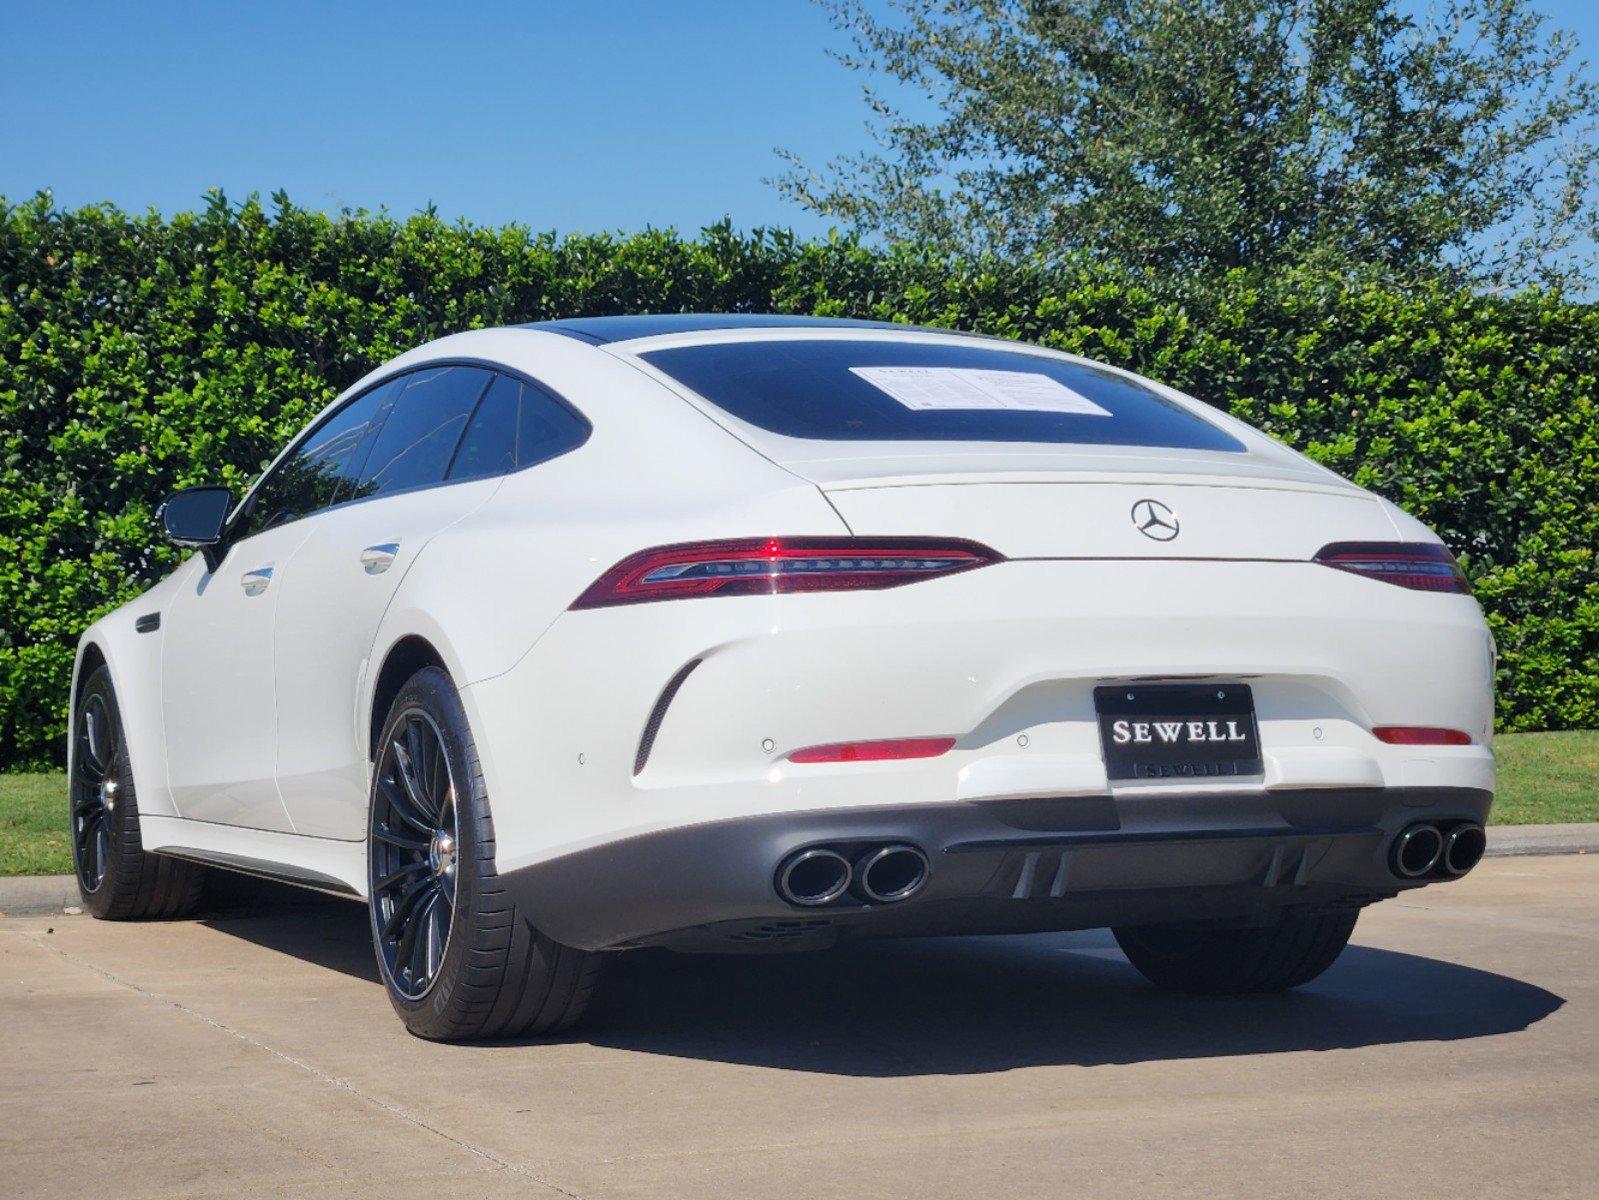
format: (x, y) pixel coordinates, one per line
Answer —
(458, 958)
(1293, 950)
(116, 878)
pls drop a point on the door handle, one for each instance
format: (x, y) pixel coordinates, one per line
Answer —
(255, 582)
(378, 559)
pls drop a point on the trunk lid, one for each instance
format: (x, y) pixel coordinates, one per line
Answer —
(1122, 505)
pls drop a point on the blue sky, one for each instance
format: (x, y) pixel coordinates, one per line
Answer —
(603, 114)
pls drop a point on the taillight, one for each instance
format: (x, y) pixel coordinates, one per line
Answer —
(1421, 735)
(1420, 566)
(887, 750)
(766, 566)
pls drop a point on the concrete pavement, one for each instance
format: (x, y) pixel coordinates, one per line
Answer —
(1453, 1049)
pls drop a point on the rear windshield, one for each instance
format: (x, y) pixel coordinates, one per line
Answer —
(920, 391)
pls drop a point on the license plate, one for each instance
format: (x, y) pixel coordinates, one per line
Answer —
(1178, 730)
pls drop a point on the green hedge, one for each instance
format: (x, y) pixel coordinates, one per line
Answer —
(139, 354)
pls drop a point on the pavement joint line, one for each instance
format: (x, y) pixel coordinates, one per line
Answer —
(393, 1110)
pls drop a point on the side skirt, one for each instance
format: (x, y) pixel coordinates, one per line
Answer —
(324, 864)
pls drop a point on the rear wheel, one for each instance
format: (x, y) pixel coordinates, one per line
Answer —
(459, 959)
(1271, 958)
(117, 879)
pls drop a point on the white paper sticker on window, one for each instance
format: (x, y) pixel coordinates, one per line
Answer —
(928, 388)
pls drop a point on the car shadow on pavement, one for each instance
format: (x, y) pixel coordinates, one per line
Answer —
(941, 1006)
(967, 1005)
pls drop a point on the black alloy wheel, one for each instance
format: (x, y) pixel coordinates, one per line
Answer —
(416, 840)
(118, 880)
(458, 955)
(96, 779)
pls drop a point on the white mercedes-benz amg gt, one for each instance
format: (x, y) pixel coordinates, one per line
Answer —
(761, 633)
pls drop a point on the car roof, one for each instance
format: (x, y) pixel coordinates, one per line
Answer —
(601, 331)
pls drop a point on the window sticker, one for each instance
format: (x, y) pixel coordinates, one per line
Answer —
(940, 388)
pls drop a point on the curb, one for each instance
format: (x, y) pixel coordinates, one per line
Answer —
(24, 895)
(1517, 841)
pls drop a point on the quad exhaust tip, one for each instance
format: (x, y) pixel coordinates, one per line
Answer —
(1463, 848)
(814, 877)
(1416, 851)
(891, 873)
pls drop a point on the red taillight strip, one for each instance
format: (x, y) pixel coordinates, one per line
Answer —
(768, 566)
(1420, 735)
(889, 749)
(1420, 566)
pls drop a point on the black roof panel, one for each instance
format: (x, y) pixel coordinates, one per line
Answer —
(597, 331)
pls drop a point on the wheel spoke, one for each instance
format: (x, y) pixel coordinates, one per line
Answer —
(403, 906)
(83, 830)
(394, 877)
(423, 746)
(402, 952)
(102, 849)
(88, 770)
(92, 770)
(94, 735)
(384, 834)
(400, 805)
(415, 932)
(405, 759)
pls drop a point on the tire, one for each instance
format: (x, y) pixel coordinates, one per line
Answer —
(474, 966)
(1271, 958)
(116, 878)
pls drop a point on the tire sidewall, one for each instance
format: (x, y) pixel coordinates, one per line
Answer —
(431, 691)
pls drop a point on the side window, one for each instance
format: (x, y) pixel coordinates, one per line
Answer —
(489, 447)
(517, 425)
(311, 478)
(419, 437)
(547, 429)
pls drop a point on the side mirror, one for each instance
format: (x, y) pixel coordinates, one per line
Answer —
(195, 517)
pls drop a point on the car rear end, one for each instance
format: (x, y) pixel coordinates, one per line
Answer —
(1091, 656)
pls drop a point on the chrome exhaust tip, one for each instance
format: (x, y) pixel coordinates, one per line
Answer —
(813, 877)
(1463, 848)
(891, 873)
(1416, 851)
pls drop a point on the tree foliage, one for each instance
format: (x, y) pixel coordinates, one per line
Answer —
(1207, 135)
(140, 354)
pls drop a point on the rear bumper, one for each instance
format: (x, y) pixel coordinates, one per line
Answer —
(997, 866)
(629, 721)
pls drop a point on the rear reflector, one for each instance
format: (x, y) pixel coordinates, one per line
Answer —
(1421, 735)
(892, 748)
(768, 566)
(1420, 566)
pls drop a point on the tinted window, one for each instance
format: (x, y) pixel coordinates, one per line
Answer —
(548, 428)
(517, 425)
(418, 439)
(316, 474)
(915, 391)
(489, 447)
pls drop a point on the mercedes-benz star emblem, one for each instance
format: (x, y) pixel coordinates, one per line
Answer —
(1154, 520)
